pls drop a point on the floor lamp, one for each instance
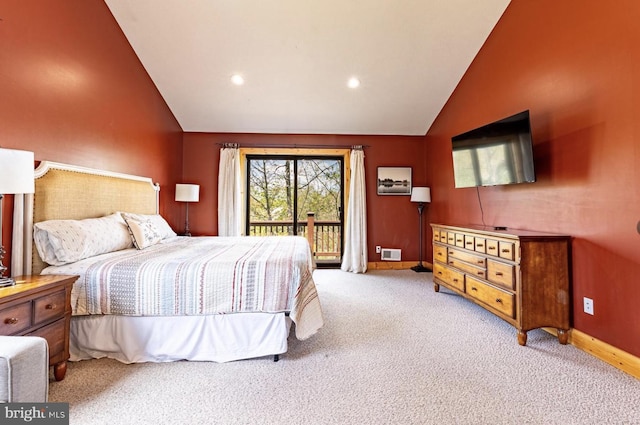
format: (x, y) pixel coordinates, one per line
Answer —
(187, 193)
(16, 176)
(421, 195)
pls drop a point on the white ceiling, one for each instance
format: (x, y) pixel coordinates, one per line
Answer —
(297, 55)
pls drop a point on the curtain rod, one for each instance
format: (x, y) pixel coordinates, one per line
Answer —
(294, 146)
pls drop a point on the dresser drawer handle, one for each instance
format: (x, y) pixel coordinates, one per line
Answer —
(473, 288)
(469, 243)
(506, 250)
(440, 273)
(480, 273)
(499, 274)
(439, 254)
(498, 300)
(479, 245)
(492, 248)
(51, 306)
(11, 321)
(455, 280)
(480, 261)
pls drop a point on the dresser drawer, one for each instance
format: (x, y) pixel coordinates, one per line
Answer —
(451, 238)
(469, 268)
(459, 240)
(507, 250)
(440, 253)
(436, 235)
(15, 319)
(49, 307)
(453, 278)
(494, 298)
(492, 247)
(476, 260)
(469, 242)
(501, 274)
(480, 245)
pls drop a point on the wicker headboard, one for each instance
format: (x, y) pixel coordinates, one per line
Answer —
(69, 192)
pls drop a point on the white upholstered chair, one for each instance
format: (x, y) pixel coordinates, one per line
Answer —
(24, 369)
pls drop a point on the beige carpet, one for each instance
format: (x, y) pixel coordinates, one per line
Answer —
(392, 352)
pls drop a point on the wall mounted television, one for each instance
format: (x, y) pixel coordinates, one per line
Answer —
(498, 153)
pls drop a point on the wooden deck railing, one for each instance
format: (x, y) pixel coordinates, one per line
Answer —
(324, 236)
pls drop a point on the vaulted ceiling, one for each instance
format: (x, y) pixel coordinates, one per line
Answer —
(297, 56)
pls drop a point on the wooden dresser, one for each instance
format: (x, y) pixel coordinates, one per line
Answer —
(524, 277)
(40, 306)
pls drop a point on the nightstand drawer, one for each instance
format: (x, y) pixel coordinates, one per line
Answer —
(15, 319)
(55, 336)
(49, 307)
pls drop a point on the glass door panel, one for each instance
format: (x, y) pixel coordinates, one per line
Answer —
(271, 197)
(298, 195)
(319, 202)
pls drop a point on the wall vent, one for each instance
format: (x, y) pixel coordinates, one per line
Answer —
(391, 254)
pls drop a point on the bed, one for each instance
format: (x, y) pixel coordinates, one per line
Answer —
(147, 295)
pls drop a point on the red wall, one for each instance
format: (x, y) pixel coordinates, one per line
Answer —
(575, 64)
(74, 91)
(392, 220)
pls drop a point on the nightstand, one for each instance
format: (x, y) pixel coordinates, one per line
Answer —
(40, 306)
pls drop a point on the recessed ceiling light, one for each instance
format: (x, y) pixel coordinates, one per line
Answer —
(237, 79)
(353, 83)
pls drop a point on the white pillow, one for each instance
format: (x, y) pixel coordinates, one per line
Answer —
(143, 232)
(66, 241)
(157, 220)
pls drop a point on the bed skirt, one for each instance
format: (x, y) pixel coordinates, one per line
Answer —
(218, 338)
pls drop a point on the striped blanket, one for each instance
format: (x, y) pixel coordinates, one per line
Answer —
(201, 276)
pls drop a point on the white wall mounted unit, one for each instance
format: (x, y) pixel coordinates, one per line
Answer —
(391, 254)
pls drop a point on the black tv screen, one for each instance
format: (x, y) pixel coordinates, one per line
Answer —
(499, 153)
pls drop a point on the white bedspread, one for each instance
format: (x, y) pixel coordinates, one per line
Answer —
(185, 276)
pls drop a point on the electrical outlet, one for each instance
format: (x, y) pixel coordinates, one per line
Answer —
(378, 249)
(588, 305)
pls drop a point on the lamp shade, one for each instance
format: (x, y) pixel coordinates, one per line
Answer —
(421, 194)
(16, 171)
(187, 192)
